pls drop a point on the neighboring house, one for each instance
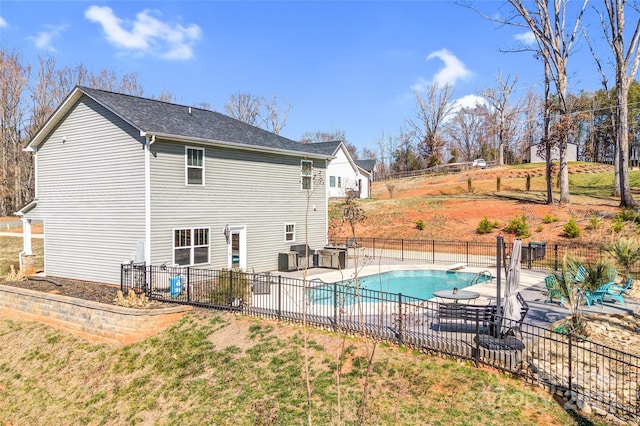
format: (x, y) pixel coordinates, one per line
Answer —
(534, 157)
(344, 175)
(121, 179)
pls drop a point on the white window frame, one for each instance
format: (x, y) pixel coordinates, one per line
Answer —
(187, 166)
(339, 181)
(192, 244)
(292, 233)
(332, 181)
(306, 174)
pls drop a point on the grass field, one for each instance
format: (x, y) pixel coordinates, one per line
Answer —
(227, 370)
(10, 248)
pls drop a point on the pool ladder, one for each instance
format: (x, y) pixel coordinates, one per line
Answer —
(484, 273)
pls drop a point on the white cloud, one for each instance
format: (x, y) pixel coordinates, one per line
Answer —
(453, 69)
(526, 38)
(469, 101)
(44, 39)
(147, 34)
(3, 23)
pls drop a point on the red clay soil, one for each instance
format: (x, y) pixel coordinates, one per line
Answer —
(450, 212)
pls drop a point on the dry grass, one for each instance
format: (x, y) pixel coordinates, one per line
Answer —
(220, 369)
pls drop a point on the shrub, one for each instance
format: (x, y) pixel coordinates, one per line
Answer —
(548, 218)
(627, 215)
(617, 224)
(571, 229)
(420, 224)
(594, 223)
(392, 189)
(519, 227)
(539, 228)
(485, 226)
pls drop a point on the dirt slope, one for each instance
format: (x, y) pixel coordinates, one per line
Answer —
(451, 212)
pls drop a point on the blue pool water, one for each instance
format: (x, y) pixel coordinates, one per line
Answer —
(415, 283)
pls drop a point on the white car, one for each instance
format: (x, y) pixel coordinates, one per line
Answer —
(479, 162)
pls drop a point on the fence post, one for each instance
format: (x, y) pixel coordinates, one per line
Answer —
(149, 285)
(335, 306)
(400, 318)
(373, 243)
(433, 251)
(122, 278)
(188, 284)
(555, 253)
(230, 302)
(279, 297)
(476, 359)
(467, 248)
(188, 280)
(569, 379)
(402, 249)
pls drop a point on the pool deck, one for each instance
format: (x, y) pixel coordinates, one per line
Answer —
(531, 287)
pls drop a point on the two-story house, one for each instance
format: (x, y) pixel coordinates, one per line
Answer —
(345, 176)
(121, 178)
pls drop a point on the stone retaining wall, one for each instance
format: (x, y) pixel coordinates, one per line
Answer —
(97, 322)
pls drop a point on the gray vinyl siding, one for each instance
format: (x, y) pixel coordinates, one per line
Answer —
(90, 194)
(259, 190)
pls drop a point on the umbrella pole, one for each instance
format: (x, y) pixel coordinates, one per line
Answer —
(499, 245)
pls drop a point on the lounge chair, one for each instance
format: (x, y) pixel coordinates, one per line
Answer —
(622, 289)
(602, 292)
(553, 289)
(581, 274)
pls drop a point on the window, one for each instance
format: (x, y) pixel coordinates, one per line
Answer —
(306, 171)
(332, 181)
(191, 246)
(339, 182)
(194, 166)
(289, 232)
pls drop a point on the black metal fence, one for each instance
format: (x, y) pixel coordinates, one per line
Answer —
(584, 371)
(535, 255)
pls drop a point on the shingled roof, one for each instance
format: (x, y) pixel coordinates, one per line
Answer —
(173, 121)
(367, 165)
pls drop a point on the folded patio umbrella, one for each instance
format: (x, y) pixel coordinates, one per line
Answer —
(512, 306)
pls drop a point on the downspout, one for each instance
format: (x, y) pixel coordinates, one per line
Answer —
(150, 139)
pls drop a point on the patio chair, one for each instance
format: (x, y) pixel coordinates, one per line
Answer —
(581, 274)
(553, 289)
(600, 294)
(622, 289)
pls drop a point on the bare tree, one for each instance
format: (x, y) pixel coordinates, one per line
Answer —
(468, 133)
(626, 60)
(14, 76)
(165, 96)
(274, 117)
(432, 110)
(336, 135)
(504, 113)
(554, 44)
(245, 107)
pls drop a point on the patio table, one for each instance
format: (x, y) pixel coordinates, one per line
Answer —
(457, 296)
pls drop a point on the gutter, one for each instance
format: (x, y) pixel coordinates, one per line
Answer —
(150, 139)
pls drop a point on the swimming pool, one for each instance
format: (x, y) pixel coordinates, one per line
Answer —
(414, 283)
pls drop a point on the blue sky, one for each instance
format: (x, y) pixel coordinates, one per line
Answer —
(348, 66)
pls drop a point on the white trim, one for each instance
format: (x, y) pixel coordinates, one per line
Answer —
(187, 166)
(294, 232)
(303, 176)
(147, 198)
(192, 246)
(241, 230)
